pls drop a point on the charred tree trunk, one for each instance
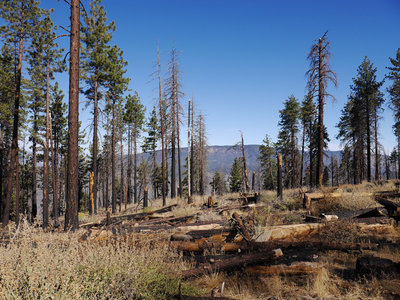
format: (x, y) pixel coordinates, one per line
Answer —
(192, 151)
(54, 164)
(321, 92)
(311, 149)
(179, 148)
(34, 171)
(71, 217)
(189, 157)
(368, 140)
(129, 171)
(46, 154)
(246, 178)
(135, 196)
(95, 172)
(280, 190)
(113, 171)
(302, 157)
(163, 179)
(14, 143)
(122, 198)
(377, 154)
(173, 154)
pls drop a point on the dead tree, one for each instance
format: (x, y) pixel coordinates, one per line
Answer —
(318, 76)
(245, 175)
(163, 179)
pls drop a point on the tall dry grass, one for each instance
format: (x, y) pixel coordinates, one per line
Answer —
(39, 265)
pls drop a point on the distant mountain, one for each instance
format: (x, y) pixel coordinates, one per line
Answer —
(220, 158)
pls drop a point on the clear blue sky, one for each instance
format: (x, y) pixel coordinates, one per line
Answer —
(242, 59)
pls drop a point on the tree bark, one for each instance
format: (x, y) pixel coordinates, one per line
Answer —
(34, 170)
(302, 156)
(46, 154)
(54, 173)
(163, 188)
(189, 158)
(280, 190)
(368, 139)
(113, 171)
(377, 154)
(122, 198)
(320, 157)
(135, 196)
(71, 217)
(14, 143)
(95, 173)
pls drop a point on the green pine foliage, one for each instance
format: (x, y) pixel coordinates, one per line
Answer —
(267, 159)
(287, 140)
(236, 176)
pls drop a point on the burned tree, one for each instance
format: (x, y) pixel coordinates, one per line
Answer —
(319, 75)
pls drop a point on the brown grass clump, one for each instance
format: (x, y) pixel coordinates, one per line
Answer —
(344, 231)
(38, 265)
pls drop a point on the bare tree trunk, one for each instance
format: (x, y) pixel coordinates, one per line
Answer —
(34, 170)
(71, 217)
(302, 157)
(95, 172)
(192, 151)
(14, 143)
(377, 154)
(280, 190)
(135, 196)
(311, 149)
(294, 160)
(113, 177)
(17, 200)
(122, 200)
(163, 188)
(46, 153)
(320, 157)
(189, 157)
(179, 148)
(368, 142)
(129, 171)
(173, 154)
(54, 173)
(246, 178)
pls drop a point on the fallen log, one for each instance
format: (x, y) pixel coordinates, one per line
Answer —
(296, 268)
(392, 207)
(292, 232)
(233, 263)
(222, 210)
(167, 220)
(200, 247)
(136, 216)
(309, 197)
(373, 213)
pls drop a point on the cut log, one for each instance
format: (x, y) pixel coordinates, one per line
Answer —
(233, 263)
(296, 268)
(294, 232)
(310, 197)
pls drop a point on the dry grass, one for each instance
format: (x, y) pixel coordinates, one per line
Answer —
(38, 265)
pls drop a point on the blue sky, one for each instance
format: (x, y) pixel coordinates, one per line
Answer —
(242, 59)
